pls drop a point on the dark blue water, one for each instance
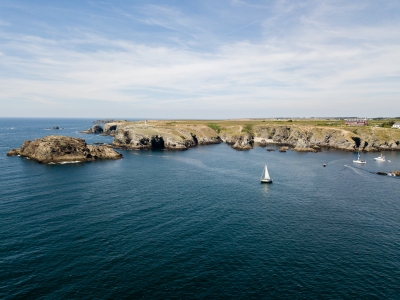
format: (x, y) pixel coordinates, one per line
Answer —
(195, 224)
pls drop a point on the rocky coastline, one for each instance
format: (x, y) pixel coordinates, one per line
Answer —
(181, 136)
(61, 149)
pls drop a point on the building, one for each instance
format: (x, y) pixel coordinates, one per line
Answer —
(396, 125)
(356, 122)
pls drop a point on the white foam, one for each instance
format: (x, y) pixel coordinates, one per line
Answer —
(69, 162)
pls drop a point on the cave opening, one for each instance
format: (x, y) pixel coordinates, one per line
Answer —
(157, 142)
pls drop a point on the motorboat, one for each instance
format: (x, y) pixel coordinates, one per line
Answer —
(380, 158)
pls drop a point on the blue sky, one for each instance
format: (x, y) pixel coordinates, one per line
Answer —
(199, 59)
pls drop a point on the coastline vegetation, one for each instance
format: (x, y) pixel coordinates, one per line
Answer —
(214, 126)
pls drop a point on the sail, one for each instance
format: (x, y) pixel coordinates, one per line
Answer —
(266, 174)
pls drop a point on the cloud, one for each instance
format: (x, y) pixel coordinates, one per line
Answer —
(314, 67)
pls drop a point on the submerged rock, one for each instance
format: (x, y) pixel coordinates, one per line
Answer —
(57, 149)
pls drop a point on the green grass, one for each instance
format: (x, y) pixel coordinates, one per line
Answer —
(248, 128)
(214, 126)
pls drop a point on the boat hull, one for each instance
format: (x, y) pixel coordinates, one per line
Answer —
(359, 161)
(266, 181)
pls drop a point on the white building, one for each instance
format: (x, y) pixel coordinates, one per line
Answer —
(396, 125)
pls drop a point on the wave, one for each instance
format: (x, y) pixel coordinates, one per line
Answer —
(70, 162)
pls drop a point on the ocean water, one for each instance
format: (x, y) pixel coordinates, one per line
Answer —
(196, 224)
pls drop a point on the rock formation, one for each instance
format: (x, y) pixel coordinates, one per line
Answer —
(143, 136)
(312, 138)
(96, 129)
(57, 149)
(244, 142)
(182, 135)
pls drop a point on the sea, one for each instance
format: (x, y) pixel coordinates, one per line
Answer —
(196, 224)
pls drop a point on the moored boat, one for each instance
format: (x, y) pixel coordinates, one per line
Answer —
(380, 158)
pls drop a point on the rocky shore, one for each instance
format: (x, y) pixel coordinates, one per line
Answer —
(142, 136)
(58, 149)
(182, 136)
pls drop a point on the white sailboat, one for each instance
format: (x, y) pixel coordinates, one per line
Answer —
(265, 176)
(358, 160)
(380, 158)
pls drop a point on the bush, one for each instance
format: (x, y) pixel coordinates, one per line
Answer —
(388, 124)
(248, 128)
(215, 127)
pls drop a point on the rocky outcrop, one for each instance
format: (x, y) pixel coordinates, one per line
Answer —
(96, 129)
(283, 149)
(244, 142)
(143, 136)
(305, 138)
(397, 173)
(263, 143)
(57, 149)
(312, 138)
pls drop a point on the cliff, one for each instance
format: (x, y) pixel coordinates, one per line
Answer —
(312, 138)
(56, 149)
(96, 129)
(130, 135)
(241, 135)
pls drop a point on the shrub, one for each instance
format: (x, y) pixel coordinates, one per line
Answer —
(215, 127)
(248, 128)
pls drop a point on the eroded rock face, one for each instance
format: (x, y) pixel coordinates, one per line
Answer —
(311, 138)
(56, 149)
(96, 129)
(143, 136)
(244, 142)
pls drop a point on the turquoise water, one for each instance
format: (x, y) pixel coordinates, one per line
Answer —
(195, 224)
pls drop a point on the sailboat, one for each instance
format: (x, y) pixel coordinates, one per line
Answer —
(265, 176)
(358, 160)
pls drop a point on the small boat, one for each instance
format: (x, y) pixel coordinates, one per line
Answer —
(358, 160)
(265, 176)
(324, 165)
(380, 158)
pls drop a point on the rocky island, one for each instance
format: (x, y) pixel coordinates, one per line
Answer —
(57, 149)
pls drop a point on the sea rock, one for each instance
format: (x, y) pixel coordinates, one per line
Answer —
(397, 173)
(244, 142)
(263, 143)
(56, 127)
(57, 149)
(96, 129)
(283, 149)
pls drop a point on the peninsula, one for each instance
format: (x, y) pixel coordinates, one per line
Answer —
(242, 134)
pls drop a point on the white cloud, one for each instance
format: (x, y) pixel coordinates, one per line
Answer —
(314, 68)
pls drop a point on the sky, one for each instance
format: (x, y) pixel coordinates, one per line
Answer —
(199, 59)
